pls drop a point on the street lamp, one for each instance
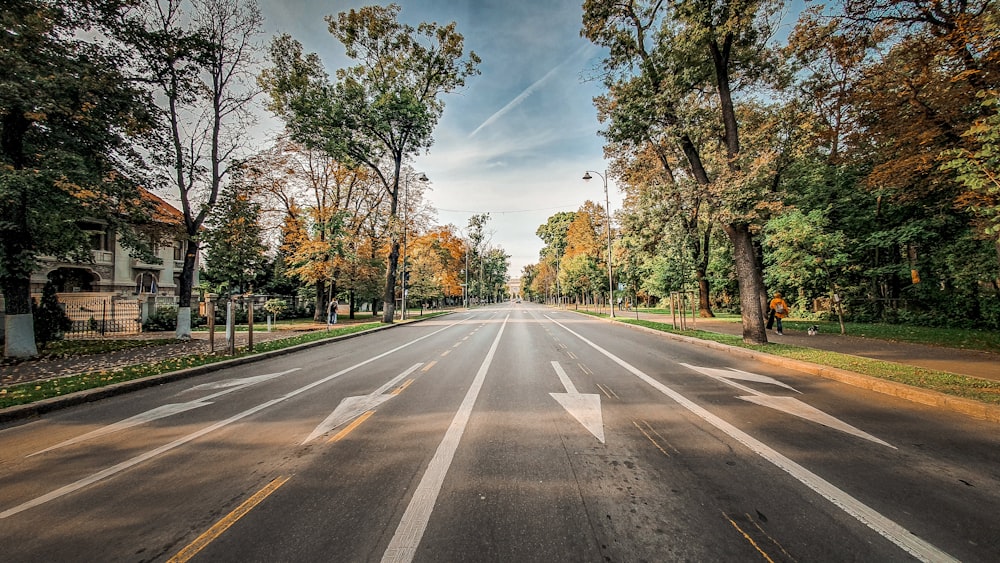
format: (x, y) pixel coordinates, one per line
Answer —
(406, 204)
(607, 209)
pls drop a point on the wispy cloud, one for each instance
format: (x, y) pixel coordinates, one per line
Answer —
(527, 92)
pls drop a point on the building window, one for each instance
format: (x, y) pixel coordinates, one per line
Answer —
(145, 283)
(178, 250)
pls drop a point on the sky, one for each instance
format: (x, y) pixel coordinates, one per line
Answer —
(517, 139)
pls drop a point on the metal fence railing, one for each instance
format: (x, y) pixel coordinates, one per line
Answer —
(101, 315)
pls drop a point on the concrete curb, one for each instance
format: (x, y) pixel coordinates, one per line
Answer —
(89, 395)
(968, 407)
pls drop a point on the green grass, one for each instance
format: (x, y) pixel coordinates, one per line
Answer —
(25, 393)
(962, 338)
(983, 390)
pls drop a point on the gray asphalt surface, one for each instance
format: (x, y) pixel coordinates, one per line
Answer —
(695, 464)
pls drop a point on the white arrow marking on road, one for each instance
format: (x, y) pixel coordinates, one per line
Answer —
(795, 407)
(164, 411)
(741, 375)
(584, 407)
(788, 405)
(240, 382)
(351, 407)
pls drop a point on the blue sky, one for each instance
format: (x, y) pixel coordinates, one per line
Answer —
(517, 139)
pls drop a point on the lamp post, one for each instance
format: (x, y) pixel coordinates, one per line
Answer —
(406, 205)
(607, 209)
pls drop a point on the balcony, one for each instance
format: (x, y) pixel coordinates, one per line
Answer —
(140, 265)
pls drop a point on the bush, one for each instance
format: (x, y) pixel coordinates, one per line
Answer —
(50, 320)
(164, 318)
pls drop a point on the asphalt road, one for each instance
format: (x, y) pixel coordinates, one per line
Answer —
(509, 433)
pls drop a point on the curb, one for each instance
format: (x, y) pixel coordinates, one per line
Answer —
(28, 410)
(961, 405)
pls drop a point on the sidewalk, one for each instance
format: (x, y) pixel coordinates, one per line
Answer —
(973, 363)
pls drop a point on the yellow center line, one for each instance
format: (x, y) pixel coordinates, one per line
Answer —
(402, 387)
(428, 366)
(221, 526)
(749, 539)
(650, 438)
(457, 344)
(347, 429)
(445, 353)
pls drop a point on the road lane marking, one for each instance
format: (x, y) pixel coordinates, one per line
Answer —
(428, 366)
(403, 545)
(608, 392)
(221, 526)
(402, 387)
(787, 405)
(648, 431)
(350, 427)
(747, 537)
(171, 409)
(117, 468)
(350, 407)
(884, 526)
(584, 407)
(445, 353)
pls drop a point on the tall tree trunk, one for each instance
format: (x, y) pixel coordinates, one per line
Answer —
(750, 283)
(19, 324)
(389, 295)
(183, 330)
(701, 274)
(319, 315)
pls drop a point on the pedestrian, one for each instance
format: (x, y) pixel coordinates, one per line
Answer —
(778, 311)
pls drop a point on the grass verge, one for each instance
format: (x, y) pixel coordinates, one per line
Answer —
(982, 390)
(961, 338)
(25, 393)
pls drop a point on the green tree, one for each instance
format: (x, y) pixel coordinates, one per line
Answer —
(72, 124)
(51, 320)
(807, 255)
(662, 58)
(977, 168)
(235, 240)
(382, 110)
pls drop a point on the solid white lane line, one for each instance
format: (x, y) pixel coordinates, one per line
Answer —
(100, 475)
(887, 528)
(403, 545)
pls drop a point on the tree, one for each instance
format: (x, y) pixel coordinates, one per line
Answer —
(382, 110)
(200, 63)
(676, 51)
(72, 123)
(977, 169)
(235, 241)
(808, 255)
(51, 320)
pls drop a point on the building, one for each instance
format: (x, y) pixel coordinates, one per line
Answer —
(114, 272)
(514, 288)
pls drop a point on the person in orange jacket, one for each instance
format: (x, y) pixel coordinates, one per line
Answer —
(779, 308)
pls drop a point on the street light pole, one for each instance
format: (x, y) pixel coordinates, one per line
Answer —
(607, 209)
(406, 204)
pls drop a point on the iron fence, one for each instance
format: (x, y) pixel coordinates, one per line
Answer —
(101, 315)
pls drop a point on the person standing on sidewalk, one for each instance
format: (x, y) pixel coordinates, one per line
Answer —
(779, 309)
